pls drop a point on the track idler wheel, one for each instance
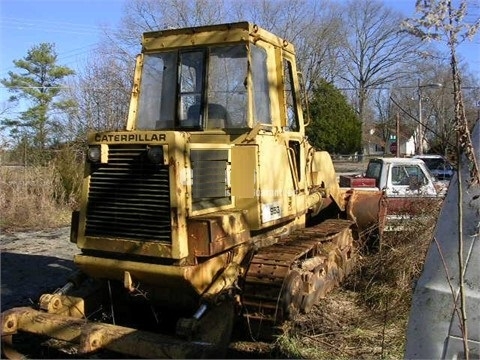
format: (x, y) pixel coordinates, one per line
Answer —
(292, 295)
(318, 283)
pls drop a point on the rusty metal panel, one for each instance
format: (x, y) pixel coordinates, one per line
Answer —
(356, 181)
(198, 237)
(211, 234)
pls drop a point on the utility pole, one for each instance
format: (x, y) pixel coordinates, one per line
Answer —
(421, 127)
(420, 120)
(397, 130)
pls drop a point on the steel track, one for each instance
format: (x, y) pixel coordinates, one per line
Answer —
(291, 275)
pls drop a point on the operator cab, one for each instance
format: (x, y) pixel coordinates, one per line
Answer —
(202, 89)
(215, 78)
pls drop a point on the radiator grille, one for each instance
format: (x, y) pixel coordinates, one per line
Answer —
(129, 197)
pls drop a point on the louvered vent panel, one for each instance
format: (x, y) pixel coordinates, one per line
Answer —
(129, 197)
(209, 186)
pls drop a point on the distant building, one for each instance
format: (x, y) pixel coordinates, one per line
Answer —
(376, 145)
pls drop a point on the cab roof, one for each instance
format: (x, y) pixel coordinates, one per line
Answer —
(429, 156)
(397, 160)
(211, 35)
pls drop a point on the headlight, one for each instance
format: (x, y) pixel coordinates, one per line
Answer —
(94, 154)
(155, 154)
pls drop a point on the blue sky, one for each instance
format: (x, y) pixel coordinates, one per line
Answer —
(75, 28)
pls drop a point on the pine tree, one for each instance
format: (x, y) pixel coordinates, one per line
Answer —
(37, 81)
(335, 126)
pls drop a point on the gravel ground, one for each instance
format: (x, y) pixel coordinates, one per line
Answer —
(33, 263)
(348, 167)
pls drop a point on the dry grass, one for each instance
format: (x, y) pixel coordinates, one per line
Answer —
(32, 198)
(367, 317)
(40, 197)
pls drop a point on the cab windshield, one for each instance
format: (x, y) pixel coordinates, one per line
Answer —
(194, 89)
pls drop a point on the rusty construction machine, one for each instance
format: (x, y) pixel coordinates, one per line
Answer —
(208, 207)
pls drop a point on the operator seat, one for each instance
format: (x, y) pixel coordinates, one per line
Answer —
(217, 115)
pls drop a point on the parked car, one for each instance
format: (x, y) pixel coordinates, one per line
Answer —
(438, 166)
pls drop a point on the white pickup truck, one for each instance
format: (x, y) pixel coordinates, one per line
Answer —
(410, 190)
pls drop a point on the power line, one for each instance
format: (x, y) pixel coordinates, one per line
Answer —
(47, 25)
(406, 112)
(39, 25)
(61, 56)
(59, 87)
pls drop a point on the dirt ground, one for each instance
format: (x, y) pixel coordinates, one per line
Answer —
(37, 262)
(33, 263)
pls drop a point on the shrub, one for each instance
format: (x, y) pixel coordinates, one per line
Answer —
(68, 165)
(34, 197)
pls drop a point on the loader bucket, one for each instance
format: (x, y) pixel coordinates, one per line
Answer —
(367, 207)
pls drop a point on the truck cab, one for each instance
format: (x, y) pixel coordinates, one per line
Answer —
(411, 191)
(438, 165)
(401, 177)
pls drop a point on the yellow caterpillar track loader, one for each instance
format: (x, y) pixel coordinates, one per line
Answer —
(209, 207)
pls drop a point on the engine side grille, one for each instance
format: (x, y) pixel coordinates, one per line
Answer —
(129, 197)
(209, 187)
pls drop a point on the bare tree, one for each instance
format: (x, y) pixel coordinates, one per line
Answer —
(439, 20)
(437, 105)
(313, 28)
(149, 15)
(102, 93)
(375, 52)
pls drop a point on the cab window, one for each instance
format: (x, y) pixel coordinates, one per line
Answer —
(408, 175)
(261, 97)
(173, 90)
(374, 170)
(289, 94)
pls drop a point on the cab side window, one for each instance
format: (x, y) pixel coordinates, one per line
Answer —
(398, 175)
(261, 86)
(289, 93)
(408, 175)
